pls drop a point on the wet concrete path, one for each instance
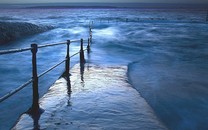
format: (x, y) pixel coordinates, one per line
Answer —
(100, 98)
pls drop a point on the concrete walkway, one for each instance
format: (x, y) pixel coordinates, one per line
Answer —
(101, 98)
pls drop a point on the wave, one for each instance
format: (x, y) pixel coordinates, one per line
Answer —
(175, 91)
(10, 31)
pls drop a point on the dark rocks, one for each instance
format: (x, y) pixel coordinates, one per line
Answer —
(10, 31)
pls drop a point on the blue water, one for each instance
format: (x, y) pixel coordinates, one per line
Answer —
(166, 52)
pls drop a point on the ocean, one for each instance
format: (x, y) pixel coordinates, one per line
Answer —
(165, 50)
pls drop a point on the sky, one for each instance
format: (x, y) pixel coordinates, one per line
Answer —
(104, 1)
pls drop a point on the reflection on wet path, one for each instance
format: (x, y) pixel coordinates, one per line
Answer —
(93, 98)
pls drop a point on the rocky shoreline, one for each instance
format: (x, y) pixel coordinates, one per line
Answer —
(10, 31)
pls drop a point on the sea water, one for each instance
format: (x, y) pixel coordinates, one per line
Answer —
(166, 52)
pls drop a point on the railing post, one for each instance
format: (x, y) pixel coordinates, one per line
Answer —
(88, 46)
(67, 64)
(35, 104)
(82, 60)
(90, 34)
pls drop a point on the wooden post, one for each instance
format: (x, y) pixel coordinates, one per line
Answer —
(67, 63)
(88, 46)
(82, 60)
(35, 104)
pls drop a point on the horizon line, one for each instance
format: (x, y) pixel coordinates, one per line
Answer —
(95, 5)
(111, 3)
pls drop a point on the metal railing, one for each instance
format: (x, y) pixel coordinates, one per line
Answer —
(34, 49)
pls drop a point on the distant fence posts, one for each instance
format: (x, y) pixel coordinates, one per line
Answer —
(82, 60)
(67, 63)
(35, 103)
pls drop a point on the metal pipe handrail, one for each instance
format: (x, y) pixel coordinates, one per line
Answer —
(2, 52)
(49, 45)
(75, 54)
(45, 72)
(53, 67)
(15, 91)
(78, 40)
(55, 44)
(34, 49)
(85, 49)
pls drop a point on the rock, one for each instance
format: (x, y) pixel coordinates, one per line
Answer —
(10, 31)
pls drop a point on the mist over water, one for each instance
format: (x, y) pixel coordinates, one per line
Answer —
(166, 52)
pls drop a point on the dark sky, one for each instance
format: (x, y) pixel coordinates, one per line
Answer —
(105, 1)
